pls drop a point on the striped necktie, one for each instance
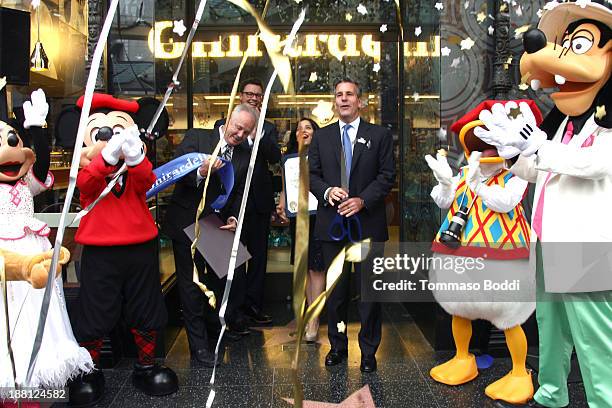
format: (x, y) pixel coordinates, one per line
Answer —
(227, 152)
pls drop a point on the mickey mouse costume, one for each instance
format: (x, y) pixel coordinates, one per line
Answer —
(119, 264)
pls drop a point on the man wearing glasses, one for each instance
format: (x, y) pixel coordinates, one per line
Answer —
(259, 209)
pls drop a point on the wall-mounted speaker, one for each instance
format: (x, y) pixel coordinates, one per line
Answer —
(15, 46)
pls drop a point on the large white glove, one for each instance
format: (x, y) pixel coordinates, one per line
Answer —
(112, 151)
(511, 136)
(441, 170)
(35, 112)
(133, 148)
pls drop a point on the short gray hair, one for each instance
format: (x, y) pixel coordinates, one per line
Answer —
(245, 107)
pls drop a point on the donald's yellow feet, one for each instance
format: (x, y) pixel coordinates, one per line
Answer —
(455, 371)
(515, 389)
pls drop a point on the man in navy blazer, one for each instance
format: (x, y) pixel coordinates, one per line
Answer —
(259, 207)
(359, 190)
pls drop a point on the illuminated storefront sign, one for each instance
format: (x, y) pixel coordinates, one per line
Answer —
(313, 45)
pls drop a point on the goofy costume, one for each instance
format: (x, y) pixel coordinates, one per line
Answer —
(486, 222)
(119, 264)
(569, 162)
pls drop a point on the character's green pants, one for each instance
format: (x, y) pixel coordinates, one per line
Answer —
(565, 321)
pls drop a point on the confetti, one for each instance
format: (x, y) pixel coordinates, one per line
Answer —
(445, 51)
(600, 112)
(348, 16)
(376, 67)
(509, 60)
(466, 5)
(523, 87)
(491, 30)
(416, 96)
(298, 1)
(383, 28)
(503, 8)
(341, 327)
(313, 77)
(439, 6)
(179, 28)
(518, 32)
(361, 9)
(519, 11)
(467, 43)
(417, 31)
(455, 63)
(539, 13)
(480, 17)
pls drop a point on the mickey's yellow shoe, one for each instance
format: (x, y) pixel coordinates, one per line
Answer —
(515, 389)
(455, 371)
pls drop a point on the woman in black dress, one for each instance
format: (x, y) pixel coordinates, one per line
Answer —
(316, 273)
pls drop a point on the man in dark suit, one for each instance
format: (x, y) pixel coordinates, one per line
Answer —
(259, 206)
(358, 190)
(182, 212)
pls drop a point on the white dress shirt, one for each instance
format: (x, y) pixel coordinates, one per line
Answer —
(352, 132)
(199, 177)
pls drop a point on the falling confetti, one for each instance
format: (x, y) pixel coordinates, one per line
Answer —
(348, 17)
(539, 13)
(509, 60)
(361, 9)
(179, 28)
(417, 31)
(376, 67)
(600, 112)
(491, 30)
(466, 5)
(523, 87)
(341, 327)
(518, 32)
(467, 43)
(313, 77)
(445, 51)
(383, 28)
(519, 11)
(455, 63)
(442, 134)
(503, 8)
(480, 17)
(439, 6)
(416, 96)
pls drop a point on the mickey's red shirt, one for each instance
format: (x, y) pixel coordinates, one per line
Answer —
(121, 219)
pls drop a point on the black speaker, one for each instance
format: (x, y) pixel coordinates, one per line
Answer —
(15, 46)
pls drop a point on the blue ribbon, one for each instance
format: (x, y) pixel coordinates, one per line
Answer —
(178, 168)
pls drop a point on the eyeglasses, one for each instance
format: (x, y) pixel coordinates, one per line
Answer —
(252, 95)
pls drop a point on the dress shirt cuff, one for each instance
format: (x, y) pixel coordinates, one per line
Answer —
(199, 177)
(326, 194)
